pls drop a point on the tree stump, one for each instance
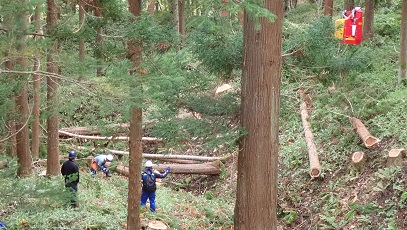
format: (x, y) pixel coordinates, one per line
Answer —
(156, 224)
(395, 158)
(368, 140)
(358, 161)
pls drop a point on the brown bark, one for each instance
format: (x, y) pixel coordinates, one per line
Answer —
(181, 8)
(403, 44)
(99, 38)
(81, 19)
(35, 148)
(23, 134)
(395, 158)
(368, 20)
(53, 167)
(135, 134)
(12, 151)
(328, 6)
(315, 166)
(358, 160)
(260, 109)
(210, 168)
(368, 140)
(151, 6)
(175, 12)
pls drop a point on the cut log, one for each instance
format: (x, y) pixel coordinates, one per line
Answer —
(112, 138)
(315, 166)
(358, 160)
(211, 168)
(179, 161)
(92, 130)
(395, 157)
(171, 156)
(368, 140)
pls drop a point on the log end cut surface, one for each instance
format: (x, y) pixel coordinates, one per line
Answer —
(396, 153)
(156, 224)
(371, 141)
(358, 157)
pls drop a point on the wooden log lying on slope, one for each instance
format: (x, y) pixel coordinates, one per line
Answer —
(368, 140)
(92, 130)
(315, 166)
(211, 168)
(112, 138)
(172, 156)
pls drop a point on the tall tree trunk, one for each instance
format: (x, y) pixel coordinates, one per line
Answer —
(181, 8)
(256, 198)
(403, 44)
(81, 40)
(23, 134)
(151, 6)
(368, 30)
(35, 148)
(135, 134)
(12, 150)
(175, 9)
(53, 165)
(99, 38)
(328, 6)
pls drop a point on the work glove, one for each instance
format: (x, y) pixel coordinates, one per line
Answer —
(168, 168)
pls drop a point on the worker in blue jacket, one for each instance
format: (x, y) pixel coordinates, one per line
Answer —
(148, 178)
(70, 172)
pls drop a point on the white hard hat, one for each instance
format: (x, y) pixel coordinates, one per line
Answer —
(149, 164)
(109, 157)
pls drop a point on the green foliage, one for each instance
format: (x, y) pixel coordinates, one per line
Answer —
(219, 50)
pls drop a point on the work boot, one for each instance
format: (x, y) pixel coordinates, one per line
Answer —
(108, 174)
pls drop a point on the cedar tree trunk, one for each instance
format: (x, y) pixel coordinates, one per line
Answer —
(53, 167)
(135, 134)
(368, 19)
(256, 198)
(403, 44)
(328, 6)
(23, 134)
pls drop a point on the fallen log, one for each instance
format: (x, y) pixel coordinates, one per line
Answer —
(92, 130)
(358, 160)
(395, 158)
(111, 138)
(211, 168)
(171, 156)
(315, 166)
(368, 140)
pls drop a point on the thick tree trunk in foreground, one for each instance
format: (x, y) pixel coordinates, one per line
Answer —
(315, 166)
(136, 132)
(368, 140)
(403, 44)
(53, 166)
(256, 196)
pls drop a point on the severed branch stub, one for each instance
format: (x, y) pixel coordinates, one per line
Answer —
(368, 140)
(395, 157)
(315, 166)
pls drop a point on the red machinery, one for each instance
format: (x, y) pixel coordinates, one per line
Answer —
(349, 29)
